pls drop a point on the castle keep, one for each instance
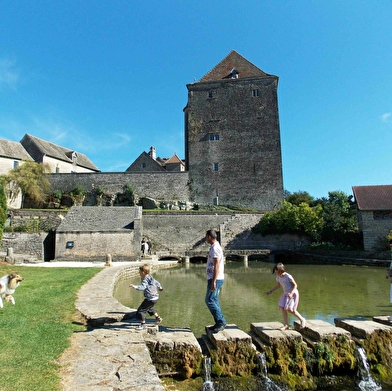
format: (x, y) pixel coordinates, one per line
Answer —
(232, 136)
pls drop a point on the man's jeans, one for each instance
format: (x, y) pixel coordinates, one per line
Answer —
(212, 301)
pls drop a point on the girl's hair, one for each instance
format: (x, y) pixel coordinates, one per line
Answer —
(145, 268)
(278, 267)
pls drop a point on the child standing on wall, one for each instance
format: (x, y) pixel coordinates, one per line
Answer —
(150, 286)
(288, 301)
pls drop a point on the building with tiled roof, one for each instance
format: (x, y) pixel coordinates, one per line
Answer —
(12, 154)
(174, 163)
(232, 136)
(374, 213)
(91, 233)
(60, 159)
(149, 162)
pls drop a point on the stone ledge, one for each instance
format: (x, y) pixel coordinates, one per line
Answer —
(110, 358)
(95, 298)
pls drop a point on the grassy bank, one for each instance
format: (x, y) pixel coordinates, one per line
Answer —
(37, 329)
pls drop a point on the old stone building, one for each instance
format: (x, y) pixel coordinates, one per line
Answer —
(12, 155)
(374, 214)
(149, 162)
(232, 136)
(92, 232)
(58, 158)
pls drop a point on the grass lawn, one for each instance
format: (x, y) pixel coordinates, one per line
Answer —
(37, 329)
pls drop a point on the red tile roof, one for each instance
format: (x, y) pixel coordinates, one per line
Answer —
(373, 197)
(173, 159)
(233, 60)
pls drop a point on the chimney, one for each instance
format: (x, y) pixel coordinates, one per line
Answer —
(153, 153)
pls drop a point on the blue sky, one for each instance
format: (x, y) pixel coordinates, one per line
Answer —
(108, 78)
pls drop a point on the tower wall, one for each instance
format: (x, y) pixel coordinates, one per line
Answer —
(232, 136)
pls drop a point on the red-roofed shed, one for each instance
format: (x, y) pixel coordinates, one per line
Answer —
(374, 212)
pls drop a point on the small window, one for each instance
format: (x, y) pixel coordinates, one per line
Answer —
(255, 93)
(210, 94)
(216, 166)
(214, 137)
(143, 165)
(16, 164)
(69, 244)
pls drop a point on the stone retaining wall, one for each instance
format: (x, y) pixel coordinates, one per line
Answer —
(161, 186)
(24, 243)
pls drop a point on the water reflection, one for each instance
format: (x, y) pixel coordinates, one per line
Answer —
(326, 292)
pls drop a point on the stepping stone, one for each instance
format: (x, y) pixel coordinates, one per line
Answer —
(231, 334)
(269, 332)
(361, 328)
(317, 330)
(385, 319)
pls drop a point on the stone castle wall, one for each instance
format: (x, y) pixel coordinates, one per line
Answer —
(177, 233)
(24, 243)
(161, 186)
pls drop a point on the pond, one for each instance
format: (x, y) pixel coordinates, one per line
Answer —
(326, 292)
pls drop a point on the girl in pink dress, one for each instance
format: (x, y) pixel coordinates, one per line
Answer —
(288, 301)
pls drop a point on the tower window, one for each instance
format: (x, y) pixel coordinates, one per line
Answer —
(255, 93)
(210, 94)
(214, 137)
(216, 166)
(143, 165)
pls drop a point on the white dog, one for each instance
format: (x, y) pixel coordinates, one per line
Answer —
(8, 284)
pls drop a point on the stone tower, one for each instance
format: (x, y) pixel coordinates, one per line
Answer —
(232, 136)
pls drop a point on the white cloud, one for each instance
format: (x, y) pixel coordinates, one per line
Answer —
(386, 117)
(9, 75)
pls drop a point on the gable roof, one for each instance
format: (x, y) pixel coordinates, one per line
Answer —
(373, 197)
(93, 219)
(38, 148)
(13, 150)
(174, 160)
(144, 157)
(233, 62)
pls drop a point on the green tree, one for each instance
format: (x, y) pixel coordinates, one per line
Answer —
(290, 218)
(31, 179)
(299, 197)
(331, 219)
(129, 194)
(339, 214)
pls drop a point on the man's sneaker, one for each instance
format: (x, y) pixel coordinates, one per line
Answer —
(158, 320)
(211, 327)
(218, 328)
(141, 326)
